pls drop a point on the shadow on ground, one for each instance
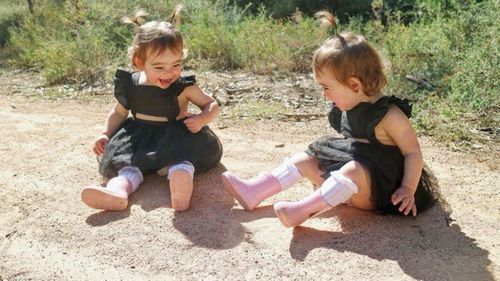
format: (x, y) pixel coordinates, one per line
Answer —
(211, 211)
(426, 247)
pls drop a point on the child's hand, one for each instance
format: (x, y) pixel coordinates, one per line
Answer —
(404, 195)
(193, 122)
(100, 144)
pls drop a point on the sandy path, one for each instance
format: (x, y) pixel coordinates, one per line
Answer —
(46, 233)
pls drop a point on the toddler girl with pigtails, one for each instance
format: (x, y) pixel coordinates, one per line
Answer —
(376, 165)
(160, 133)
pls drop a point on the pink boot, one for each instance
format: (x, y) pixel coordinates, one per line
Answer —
(115, 195)
(250, 193)
(181, 188)
(295, 213)
(112, 197)
(335, 190)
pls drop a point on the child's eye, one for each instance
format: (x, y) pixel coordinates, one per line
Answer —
(158, 68)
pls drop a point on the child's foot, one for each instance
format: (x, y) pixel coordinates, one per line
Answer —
(181, 188)
(295, 213)
(250, 193)
(98, 197)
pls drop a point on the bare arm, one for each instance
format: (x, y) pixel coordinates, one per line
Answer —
(207, 104)
(115, 118)
(398, 127)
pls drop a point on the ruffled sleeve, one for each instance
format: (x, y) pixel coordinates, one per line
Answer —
(123, 81)
(184, 82)
(380, 109)
(403, 104)
(335, 117)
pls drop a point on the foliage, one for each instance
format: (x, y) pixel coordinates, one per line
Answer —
(344, 9)
(10, 15)
(450, 46)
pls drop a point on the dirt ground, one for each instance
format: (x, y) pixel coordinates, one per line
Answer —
(47, 233)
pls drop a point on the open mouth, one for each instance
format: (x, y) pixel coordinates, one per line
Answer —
(165, 82)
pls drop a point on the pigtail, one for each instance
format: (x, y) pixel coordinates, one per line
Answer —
(175, 19)
(137, 20)
(328, 20)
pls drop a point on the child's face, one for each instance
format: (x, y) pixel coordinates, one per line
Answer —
(344, 97)
(162, 69)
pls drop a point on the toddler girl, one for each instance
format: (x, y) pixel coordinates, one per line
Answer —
(377, 165)
(160, 131)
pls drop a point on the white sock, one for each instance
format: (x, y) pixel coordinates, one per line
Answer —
(337, 189)
(184, 166)
(287, 174)
(133, 175)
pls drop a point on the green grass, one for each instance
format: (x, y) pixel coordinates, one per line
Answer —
(451, 44)
(11, 12)
(256, 110)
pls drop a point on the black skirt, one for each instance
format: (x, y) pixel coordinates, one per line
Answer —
(385, 164)
(151, 146)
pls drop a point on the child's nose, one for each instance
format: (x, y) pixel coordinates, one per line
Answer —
(169, 72)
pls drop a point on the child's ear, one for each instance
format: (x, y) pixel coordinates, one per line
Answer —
(355, 84)
(138, 63)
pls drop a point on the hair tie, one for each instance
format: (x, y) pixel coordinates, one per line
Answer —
(336, 31)
(327, 19)
(137, 20)
(174, 18)
(342, 40)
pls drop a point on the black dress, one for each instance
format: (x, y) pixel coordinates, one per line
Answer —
(385, 162)
(150, 145)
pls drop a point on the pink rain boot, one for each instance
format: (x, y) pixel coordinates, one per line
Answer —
(295, 213)
(181, 185)
(335, 190)
(250, 193)
(181, 188)
(112, 197)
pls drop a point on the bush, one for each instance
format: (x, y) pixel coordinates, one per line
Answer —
(11, 13)
(451, 45)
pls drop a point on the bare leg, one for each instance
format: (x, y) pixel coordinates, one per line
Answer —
(360, 175)
(308, 167)
(350, 182)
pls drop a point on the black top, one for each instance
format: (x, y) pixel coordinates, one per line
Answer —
(151, 145)
(149, 100)
(360, 121)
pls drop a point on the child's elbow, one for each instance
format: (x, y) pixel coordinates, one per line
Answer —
(215, 107)
(418, 158)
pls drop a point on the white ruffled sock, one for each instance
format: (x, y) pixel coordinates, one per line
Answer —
(337, 189)
(287, 174)
(131, 174)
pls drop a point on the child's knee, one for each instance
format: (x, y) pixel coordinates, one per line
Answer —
(307, 166)
(360, 175)
(300, 158)
(357, 172)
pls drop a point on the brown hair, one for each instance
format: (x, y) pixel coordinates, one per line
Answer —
(348, 55)
(154, 37)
